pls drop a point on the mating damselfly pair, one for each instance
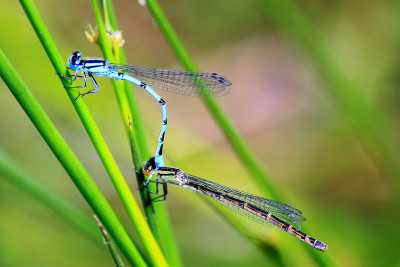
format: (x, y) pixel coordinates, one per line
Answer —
(262, 210)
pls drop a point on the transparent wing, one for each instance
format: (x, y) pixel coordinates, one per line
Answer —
(180, 82)
(283, 211)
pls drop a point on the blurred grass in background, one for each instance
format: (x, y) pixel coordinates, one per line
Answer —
(278, 102)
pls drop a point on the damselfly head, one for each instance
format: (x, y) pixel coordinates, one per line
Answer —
(74, 60)
(149, 166)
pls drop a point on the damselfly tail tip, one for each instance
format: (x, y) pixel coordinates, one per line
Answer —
(321, 245)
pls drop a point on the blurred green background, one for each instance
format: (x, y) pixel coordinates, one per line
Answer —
(279, 103)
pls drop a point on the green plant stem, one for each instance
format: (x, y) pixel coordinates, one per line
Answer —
(110, 244)
(14, 173)
(68, 160)
(151, 246)
(365, 120)
(156, 213)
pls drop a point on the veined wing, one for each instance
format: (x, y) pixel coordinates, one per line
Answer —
(180, 82)
(235, 200)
